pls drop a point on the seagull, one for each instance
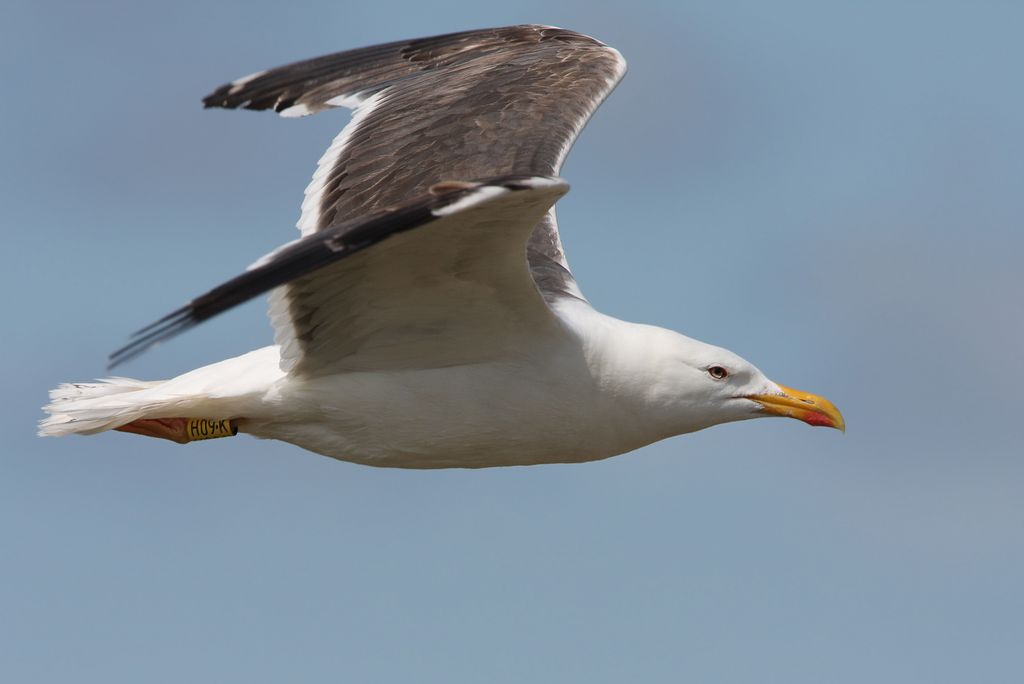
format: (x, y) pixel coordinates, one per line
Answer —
(427, 317)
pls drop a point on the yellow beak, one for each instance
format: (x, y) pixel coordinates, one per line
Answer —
(810, 408)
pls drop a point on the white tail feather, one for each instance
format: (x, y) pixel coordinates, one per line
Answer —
(227, 389)
(88, 408)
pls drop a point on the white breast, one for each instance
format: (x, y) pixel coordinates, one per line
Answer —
(547, 406)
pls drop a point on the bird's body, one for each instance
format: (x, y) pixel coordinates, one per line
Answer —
(427, 318)
(592, 389)
(543, 406)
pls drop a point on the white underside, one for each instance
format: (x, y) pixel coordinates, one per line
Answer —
(542, 407)
(548, 404)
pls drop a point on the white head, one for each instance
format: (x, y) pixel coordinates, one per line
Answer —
(685, 385)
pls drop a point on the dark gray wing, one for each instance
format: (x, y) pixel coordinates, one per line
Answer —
(476, 104)
(445, 283)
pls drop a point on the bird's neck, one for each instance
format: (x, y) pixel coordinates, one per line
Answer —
(626, 362)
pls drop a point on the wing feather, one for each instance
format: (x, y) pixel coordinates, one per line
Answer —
(475, 104)
(504, 104)
(464, 278)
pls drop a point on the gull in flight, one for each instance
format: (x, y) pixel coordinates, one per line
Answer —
(427, 317)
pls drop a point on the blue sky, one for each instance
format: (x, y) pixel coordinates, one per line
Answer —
(830, 189)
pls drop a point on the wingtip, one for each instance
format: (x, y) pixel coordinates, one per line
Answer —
(218, 98)
(157, 323)
(169, 326)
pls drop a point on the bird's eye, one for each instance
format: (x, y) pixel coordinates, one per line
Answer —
(718, 372)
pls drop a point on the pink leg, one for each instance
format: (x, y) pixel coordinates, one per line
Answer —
(163, 428)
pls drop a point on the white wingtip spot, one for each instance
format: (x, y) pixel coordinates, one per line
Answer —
(296, 111)
(240, 83)
(347, 100)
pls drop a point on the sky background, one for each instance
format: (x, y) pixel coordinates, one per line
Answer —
(831, 189)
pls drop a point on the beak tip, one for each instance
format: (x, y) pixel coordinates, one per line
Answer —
(838, 422)
(809, 408)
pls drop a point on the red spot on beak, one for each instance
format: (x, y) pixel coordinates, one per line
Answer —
(818, 420)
